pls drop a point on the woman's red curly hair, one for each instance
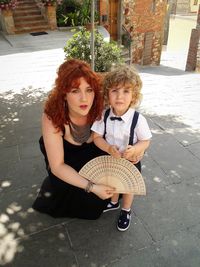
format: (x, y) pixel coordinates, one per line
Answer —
(68, 76)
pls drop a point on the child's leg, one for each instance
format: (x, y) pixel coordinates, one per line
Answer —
(125, 214)
(127, 201)
(113, 204)
(115, 198)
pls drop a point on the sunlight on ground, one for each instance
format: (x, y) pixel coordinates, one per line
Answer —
(9, 234)
(22, 70)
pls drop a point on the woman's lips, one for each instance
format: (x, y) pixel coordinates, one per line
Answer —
(83, 106)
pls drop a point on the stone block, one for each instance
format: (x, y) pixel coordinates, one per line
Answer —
(7, 21)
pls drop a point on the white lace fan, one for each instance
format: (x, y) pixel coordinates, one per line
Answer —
(118, 173)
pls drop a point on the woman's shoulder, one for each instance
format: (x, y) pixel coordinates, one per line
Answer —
(48, 126)
(45, 118)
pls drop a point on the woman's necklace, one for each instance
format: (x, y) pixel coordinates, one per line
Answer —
(80, 134)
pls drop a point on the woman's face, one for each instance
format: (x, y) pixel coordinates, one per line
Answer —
(80, 99)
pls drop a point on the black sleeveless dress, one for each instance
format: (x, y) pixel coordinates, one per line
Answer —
(60, 199)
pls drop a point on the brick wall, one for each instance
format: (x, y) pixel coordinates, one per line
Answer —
(142, 17)
(193, 58)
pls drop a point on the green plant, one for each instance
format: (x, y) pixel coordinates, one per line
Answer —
(106, 54)
(51, 2)
(71, 18)
(85, 14)
(8, 4)
(67, 13)
(72, 13)
(126, 40)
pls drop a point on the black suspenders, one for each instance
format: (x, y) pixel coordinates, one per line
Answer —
(133, 124)
(105, 119)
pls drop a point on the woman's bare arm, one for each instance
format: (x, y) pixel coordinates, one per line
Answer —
(54, 147)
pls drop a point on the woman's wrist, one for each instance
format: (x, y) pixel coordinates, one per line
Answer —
(89, 187)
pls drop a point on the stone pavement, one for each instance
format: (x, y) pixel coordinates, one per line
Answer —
(165, 230)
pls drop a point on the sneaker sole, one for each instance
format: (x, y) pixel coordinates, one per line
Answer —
(124, 229)
(111, 209)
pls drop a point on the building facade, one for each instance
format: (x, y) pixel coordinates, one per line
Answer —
(143, 21)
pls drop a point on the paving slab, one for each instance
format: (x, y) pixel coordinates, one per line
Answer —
(49, 248)
(176, 250)
(101, 243)
(16, 208)
(171, 209)
(172, 156)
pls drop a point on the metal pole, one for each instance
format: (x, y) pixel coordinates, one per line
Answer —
(92, 35)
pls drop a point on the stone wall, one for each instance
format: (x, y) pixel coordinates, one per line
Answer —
(7, 22)
(193, 58)
(140, 18)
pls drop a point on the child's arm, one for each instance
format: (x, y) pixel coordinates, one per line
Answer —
(101, 143)
(135, 152)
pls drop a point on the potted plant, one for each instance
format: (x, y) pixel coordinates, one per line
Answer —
(77, 15)
(8, 4)
(68, 13)
(106, 54)
(51, 2)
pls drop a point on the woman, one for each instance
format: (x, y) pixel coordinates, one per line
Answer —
(72, 106)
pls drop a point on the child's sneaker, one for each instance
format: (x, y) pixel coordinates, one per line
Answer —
(111, 206)
(124, 220)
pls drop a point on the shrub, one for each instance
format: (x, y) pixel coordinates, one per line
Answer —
(68, 8)
(74, 13)
(106, 54)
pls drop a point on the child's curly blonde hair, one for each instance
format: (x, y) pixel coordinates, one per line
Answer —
(123, 75)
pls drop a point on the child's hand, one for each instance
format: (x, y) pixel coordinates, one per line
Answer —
(113, 151)
(128, 152)
(133, 154)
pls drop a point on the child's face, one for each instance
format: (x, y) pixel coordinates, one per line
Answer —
(120, 98)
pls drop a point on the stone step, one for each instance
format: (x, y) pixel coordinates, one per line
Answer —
(20, 13)
(127, 60)
(29, 4)
(125, 52)
(32, 29)
(31, 24)
(22, 8)
(27, 18)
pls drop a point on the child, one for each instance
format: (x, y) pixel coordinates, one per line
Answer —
(122, 132)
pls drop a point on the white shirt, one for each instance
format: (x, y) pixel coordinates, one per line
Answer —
(118, 132)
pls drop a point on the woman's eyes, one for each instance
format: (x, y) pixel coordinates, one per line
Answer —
(77, 90)
(74, 91)
(90, 90)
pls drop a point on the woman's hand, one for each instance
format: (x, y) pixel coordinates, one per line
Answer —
(103, 191)
(114, 152)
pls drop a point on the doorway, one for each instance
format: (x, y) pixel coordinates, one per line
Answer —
(113, 19)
